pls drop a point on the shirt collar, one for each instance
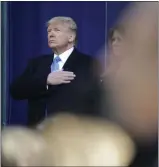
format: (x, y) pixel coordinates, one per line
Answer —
(64, 56)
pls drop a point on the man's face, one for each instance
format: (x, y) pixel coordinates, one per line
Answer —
(59, 35)
(132, 75)
(118, 44)
(116, 52)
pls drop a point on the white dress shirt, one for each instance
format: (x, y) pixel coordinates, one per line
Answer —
(64, 56)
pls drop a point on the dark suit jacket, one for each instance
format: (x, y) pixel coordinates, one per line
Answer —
(79, 96)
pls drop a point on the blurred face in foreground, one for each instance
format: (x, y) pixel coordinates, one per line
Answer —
(132, 72)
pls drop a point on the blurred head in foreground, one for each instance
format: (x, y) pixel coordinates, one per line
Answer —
(131, 73)
(68, 140)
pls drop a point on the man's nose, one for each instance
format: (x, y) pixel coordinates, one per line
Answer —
(51, 35)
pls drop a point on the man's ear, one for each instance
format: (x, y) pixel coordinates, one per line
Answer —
(71, 37)
(117, 45)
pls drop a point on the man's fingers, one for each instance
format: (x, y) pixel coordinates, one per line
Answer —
(67, 73)
(64, 77)
(63, 73)
(68, 77)
(66, 81)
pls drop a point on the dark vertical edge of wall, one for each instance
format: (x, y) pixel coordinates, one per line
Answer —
(4, 73)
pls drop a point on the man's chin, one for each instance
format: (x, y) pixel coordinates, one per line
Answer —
(52, 46)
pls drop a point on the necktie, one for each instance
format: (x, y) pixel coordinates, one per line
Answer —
(54, 67)
(55, 64)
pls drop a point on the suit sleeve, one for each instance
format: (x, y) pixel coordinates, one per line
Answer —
(29, 84)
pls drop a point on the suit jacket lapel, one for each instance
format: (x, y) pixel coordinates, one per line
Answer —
(47, 64)
(71, 61)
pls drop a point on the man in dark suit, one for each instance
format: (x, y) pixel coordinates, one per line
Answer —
(62, 81)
